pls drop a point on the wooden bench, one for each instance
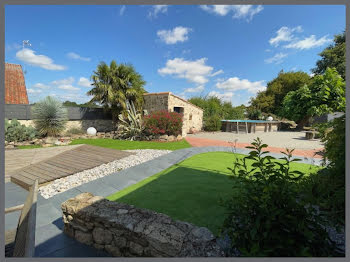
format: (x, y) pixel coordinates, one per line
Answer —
(20, 242)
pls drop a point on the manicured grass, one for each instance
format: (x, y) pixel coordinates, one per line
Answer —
(190, 191)
(128, 145)
(29, 147)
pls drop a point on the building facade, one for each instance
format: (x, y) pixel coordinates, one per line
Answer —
(192, 115)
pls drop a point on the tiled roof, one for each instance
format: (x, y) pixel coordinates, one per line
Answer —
(15, 87)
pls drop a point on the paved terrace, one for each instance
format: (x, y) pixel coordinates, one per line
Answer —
(50, 240)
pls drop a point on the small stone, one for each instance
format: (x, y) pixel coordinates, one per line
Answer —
(136, 249)
(114, 251)
(171, 138)
(98, 246)
(122, 211)
(102, 236)
(179, 137)
(85, 238)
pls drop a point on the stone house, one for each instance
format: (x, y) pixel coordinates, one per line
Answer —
(192, 115)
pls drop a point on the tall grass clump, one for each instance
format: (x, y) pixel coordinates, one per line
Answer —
(49, 116)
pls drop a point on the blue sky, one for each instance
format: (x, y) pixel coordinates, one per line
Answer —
(226, 51)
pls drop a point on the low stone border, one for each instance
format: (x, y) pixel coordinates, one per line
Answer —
(126, 231)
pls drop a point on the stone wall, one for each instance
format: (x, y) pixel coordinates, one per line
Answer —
(126, 231)
(193, 115)
(101, 125)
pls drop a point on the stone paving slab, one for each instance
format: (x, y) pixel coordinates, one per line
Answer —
(50, 240)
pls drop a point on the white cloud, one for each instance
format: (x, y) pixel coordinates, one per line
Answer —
(122, 10)
(217, 73)
(68, 87)
(28, 56)
(238, 11)
(13, 46)
(40, 85)
(157, 9)
(65, 81)
(84, 82)
(178, 34)
(227, 96)
(309, 42)
(33, 91)
(194, 89)
(276, 59)
(75, 56)
(284, 34)
(311, 74)
(234, 83)
(194, 71)
(65, 84)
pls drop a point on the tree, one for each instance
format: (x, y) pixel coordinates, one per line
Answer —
(114, 85)
(270, 100)
(325, 94)
(332, 56)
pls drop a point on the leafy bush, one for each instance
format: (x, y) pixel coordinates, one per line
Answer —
(16, 132)
(215, 110)
(254, 113)
(212, 123)
(327, 187)
(49, 116)
(266, 217)
(131, 126)
(164, 123)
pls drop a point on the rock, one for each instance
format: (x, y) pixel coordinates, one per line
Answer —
(179, 137)
(98, 246)
(202, 233)
(85, 238)
(11, 143)
(120, 241)
(136, 249)
(9, 146)
(6, 143)
(113, 250)
(102, 236)
(50, 140)
(171, 138)
(163, 137)
(69, 231)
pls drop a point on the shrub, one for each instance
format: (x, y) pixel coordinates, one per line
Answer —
(266, 217)
(130, 127)
(164, 123)
(215, 110)
(16, 132)
(212, 123)
(327, 187)
(254, 114)
(49, 116)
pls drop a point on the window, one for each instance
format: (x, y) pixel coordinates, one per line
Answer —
(178, 109)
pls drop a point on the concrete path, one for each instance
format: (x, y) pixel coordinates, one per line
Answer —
(50, 240)
(279, 139)
(200, 142)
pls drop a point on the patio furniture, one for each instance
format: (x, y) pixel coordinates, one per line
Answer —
(20, 242)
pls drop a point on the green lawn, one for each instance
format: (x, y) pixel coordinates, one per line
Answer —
(29, 147)
(190, 191)
(128, 145)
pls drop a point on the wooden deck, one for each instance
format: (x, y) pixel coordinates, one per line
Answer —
(64, 164)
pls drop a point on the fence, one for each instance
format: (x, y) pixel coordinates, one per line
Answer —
(23, 112)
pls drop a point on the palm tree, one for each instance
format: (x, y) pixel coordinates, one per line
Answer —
(114, 85)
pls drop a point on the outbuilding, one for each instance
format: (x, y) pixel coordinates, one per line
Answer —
(192, 114)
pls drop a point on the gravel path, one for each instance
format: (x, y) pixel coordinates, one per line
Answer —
(65, 183)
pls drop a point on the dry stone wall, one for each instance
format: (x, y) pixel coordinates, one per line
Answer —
(101, 125)
(126, 231)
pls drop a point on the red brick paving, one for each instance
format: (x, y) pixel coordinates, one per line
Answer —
(199, 142)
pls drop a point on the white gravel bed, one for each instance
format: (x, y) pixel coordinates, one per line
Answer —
(66, 183)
